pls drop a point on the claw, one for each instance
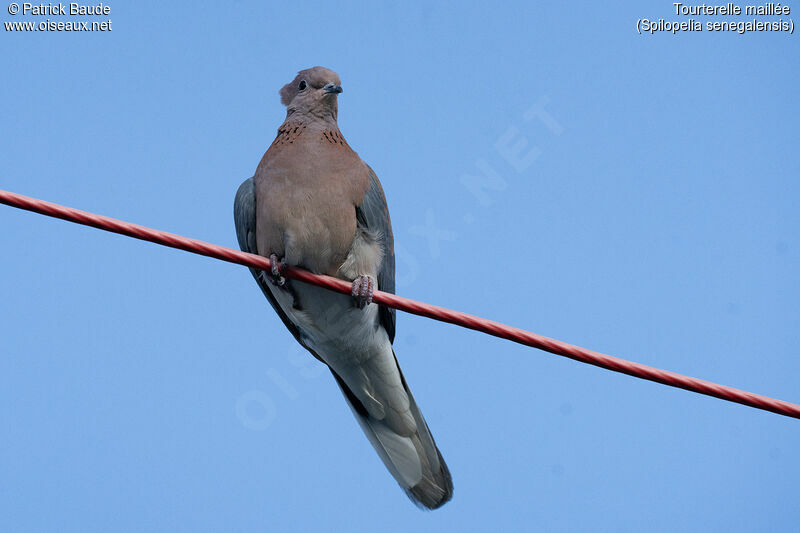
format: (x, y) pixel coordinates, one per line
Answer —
(363, 288)
(275, 271)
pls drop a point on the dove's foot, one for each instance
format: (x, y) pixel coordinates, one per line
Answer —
(363, 287)
(275, 271)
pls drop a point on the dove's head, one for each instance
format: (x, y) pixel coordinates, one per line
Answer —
(313, 93)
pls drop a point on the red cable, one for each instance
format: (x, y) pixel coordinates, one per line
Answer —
(410, 306)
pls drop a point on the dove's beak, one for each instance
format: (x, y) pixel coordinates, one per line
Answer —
(332, 88)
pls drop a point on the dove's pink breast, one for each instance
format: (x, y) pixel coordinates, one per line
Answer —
(307, 187)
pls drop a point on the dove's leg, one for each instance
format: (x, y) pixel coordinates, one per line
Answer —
(363, 287)
(275, 268)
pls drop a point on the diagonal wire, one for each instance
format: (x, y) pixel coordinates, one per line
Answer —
(490, 327)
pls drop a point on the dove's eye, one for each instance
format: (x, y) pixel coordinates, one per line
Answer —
(302, 85)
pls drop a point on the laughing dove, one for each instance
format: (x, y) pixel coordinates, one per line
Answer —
(313, 203)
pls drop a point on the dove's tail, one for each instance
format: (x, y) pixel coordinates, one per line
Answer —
(415, 462)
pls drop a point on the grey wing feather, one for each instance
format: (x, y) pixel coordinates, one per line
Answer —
(244, 215)
(373, 215)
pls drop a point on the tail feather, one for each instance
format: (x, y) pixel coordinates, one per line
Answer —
(415, 461)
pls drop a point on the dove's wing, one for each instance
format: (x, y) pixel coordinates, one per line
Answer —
(373, 215)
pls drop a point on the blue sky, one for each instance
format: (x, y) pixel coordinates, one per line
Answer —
(647, 210)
